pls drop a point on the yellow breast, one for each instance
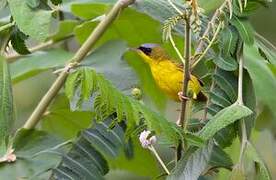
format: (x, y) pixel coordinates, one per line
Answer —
(169, 78)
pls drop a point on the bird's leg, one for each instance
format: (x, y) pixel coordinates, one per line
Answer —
(181, 97)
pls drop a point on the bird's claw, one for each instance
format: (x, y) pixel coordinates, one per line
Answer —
(181, 97)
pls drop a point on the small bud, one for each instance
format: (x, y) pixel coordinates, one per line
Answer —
(136, 93)
(146, 139)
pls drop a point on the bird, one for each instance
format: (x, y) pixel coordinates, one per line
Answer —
(168, 74)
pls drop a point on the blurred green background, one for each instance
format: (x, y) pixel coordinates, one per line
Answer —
(28, 93)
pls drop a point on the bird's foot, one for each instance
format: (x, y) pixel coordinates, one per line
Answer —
(181, 97)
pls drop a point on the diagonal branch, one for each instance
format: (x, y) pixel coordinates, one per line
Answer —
(78, 57)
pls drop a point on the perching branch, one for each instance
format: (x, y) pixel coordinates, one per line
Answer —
(78, 57)
(186, 78)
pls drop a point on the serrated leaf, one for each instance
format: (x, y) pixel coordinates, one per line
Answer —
(36, 24)
(226, 63)
(6, 102)
(244, 28)
(17, 39)
(192, 167)
(38, 62)
(70, 85)
(222, 119)
(263, 172)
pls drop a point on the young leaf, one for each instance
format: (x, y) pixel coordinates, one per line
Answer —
(244, 28)
(6, 102)
(222, 119)
(36, 24)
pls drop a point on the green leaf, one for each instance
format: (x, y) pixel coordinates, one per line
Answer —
(59, 116)
(226, 86)
(264, 81)
(35, 23)
(219, 158)
(125, 28)
(269, 52)
(33, 3)
(192, 167)
(262, 170)
(226, 136)
(31, 161)
(37, 141)
(249, 99)
(222, 119)
(244, 28)
(108, 99)
(87, 158)
(17, 39)
(140, 156)
(88, 11)
(226, 63)
(6, 102)
(229, 40)
(38, 62)
(65, 29)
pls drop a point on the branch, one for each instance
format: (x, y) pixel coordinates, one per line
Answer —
(186, 77)
(78, 57)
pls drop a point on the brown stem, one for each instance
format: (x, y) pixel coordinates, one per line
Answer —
(78, 57)
(186, 77)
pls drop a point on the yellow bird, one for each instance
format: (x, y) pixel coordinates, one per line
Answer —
(167, 74)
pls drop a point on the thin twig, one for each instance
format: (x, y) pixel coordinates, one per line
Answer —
(186, 78)
(209, 45)
(176, 49)
(78, 57)
(6, 26)
(153, 150)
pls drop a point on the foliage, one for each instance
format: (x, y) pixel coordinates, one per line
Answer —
(91, 127)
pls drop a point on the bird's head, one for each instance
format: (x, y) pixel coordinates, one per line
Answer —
(151, 52)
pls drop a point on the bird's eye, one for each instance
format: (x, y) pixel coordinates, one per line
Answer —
(145, 50)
